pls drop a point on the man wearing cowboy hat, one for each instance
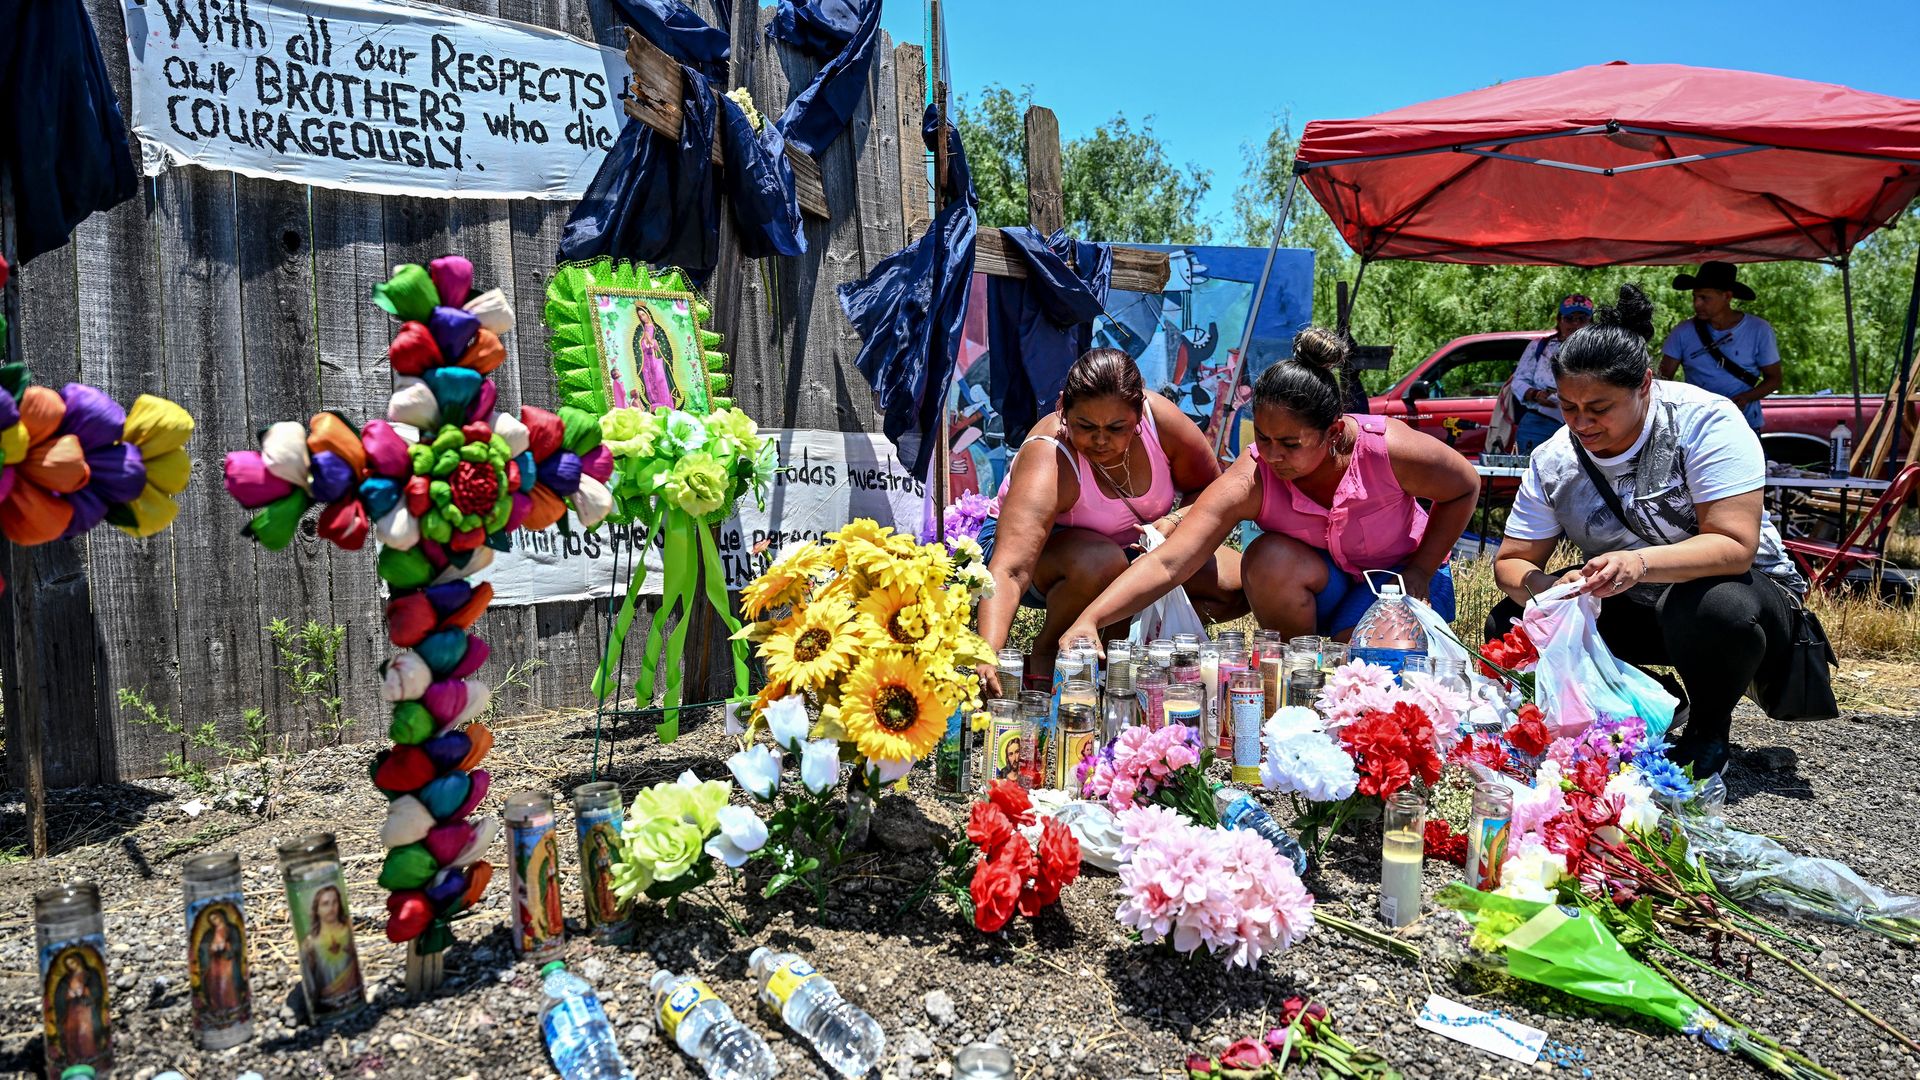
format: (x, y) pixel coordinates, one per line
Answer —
(1726, 351)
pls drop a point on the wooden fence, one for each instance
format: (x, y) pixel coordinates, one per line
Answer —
(247, 302)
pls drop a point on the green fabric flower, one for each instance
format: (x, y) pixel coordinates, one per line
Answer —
(684, 434)
(622, 424)
(698, 485)
(732, 434)
(658, 850)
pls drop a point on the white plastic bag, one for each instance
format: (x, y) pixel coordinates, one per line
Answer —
(1168, 616)
(1578, 681)
(1442, 642)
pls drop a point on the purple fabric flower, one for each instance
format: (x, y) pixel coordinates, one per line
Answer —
(452, 278)
(561, 473)
(93, 416)
(332, 476)
(453, 330)
(9, 411)
(117, 472)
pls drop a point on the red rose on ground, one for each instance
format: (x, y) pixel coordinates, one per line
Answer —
(1529, 734)
(1199, 1067)
(1246, 1054)
(1012, 798)
(988, 828)
(995, 889)
(1445, 844)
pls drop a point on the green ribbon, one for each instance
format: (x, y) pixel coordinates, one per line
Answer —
(690, 550)
(605, 680)
(716, 583)
(679, 568)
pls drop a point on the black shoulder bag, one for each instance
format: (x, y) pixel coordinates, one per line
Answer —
(1802, 688)
(1751, 378)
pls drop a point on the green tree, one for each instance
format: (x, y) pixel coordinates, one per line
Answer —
(1121, 186)
(1417, 307)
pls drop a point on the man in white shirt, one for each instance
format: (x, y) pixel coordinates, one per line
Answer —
(1728, 352)
(1533, 384)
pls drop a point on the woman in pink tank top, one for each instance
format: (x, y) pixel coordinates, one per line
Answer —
(1334, 495)
(1111, 459)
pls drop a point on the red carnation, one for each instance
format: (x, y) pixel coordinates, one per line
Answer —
(1529, 735)
(1445, 844)
(995, 889)
(1482, 750)
(475, 487)
(988, 828)
(1012, 798)
(1590, 776)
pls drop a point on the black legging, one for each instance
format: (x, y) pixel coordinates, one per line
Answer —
(1717, 632)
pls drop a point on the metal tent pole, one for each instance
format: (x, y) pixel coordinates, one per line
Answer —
(1853, 349)
(1253, 312)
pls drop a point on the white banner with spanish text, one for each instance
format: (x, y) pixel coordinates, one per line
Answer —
(386, 97)
(826, 479)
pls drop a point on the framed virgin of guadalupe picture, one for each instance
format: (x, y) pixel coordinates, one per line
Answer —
(624, 337)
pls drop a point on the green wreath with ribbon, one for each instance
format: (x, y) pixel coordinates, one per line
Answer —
(630, 347)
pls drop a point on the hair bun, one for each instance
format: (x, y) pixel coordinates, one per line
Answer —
(1631, 311)
(1319, 347)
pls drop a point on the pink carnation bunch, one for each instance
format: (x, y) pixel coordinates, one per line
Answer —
(1443, 705)
(1134, 766)
(1355, 689)
(1193, 886)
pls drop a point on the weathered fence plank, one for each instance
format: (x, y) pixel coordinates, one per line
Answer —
(246, 301)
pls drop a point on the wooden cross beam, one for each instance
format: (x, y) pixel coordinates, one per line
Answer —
(658, 85)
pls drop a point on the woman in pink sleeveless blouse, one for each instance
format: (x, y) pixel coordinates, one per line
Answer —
(1334, 495)
(1111, 459)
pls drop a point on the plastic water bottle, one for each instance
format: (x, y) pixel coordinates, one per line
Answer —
(846, 1038)
(704, 1029)
(1238, 810)
(578, 1036)
(1840, 442)
(1388, 633)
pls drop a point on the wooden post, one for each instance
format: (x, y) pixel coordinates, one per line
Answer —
(425, 972)
(910, 91)
(1046, 199)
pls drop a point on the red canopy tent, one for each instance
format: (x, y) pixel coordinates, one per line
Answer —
(1622, 164)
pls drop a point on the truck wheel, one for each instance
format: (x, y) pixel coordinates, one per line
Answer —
(1796, 449)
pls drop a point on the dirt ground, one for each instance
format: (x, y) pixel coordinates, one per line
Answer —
(1069, 993)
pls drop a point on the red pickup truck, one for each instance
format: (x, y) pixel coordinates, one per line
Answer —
(1451, 395)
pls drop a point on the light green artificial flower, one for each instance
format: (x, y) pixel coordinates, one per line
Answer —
(684, 432)
(621, 424)
(702, 802)
(697, 485)
(661, 850)
(765, 464)
(732, 434)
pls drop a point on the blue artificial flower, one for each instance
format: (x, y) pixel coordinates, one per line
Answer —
(1667, 780)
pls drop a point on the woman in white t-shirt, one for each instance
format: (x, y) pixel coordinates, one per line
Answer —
(1696, 576)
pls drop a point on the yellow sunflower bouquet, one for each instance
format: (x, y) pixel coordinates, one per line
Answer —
(872, 627)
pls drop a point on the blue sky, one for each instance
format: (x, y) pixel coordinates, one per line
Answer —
(1218, 76)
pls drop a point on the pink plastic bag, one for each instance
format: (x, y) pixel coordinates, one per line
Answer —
(1578, 680)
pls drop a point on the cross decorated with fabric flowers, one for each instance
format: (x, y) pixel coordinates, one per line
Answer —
(440, 483)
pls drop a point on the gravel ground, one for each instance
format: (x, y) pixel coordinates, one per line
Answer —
(1068, 993)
